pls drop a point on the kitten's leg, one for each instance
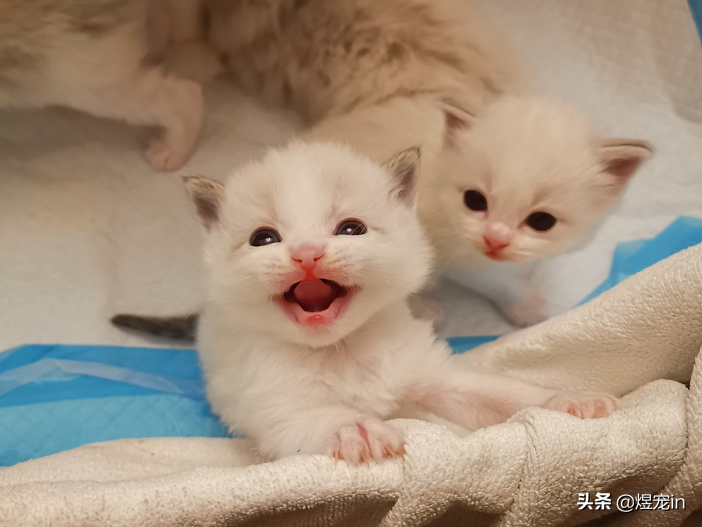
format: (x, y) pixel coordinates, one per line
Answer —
(509, 287)
(109, 78)
(474, 399)
(285, 408)
(337, 431)
(148, 97)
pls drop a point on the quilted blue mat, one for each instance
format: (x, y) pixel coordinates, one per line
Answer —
(54, 398)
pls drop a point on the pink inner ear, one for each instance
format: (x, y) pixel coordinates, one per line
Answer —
(623, 167)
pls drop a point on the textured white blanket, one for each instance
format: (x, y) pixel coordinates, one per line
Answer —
(528, 471)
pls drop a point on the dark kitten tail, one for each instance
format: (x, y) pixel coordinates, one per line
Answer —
(177, 328)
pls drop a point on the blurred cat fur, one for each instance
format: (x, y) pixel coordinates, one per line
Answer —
(97, 56)
(507, 176)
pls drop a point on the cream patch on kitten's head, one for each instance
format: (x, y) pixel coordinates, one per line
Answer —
(310, 242)
(527, 180)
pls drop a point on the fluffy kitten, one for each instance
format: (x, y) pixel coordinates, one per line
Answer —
(519, 178)
(92, 56)
(306, 340)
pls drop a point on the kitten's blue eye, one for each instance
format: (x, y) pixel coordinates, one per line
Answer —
(263, 237)
(541, 221)
(475, 200)
(350, 228)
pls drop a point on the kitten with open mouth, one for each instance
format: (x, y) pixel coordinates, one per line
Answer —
(306, 339)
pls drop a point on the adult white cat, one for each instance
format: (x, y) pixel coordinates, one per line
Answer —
(306, 340)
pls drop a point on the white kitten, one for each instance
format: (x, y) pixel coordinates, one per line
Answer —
(530, 179)
(94, 57)
(306, 340)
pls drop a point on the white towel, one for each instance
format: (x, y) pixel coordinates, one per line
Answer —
(528, 471)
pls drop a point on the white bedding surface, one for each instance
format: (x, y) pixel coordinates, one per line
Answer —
(87, 229)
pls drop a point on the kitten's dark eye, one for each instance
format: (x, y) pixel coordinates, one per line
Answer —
(263, 237)
(350, 228)
(475, 200)
(541, 221)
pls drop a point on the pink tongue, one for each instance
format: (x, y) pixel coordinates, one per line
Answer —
(314, 295)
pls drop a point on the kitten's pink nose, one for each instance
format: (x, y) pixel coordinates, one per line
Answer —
(307, 256)
(494, 243)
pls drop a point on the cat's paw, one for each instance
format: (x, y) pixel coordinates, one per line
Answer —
(163, 157)
(183, 107)
(530, 311)
(368, 440)
(585, 405)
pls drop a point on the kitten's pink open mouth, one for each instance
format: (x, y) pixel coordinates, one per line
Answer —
(316, 302)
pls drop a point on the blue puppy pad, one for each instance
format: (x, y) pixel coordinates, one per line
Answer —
(54, 398)
(463, 344)
(631, 257)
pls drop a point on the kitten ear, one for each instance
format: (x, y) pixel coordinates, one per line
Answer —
(621, 158)
(455, 120)
(207, 196)
(403, 168)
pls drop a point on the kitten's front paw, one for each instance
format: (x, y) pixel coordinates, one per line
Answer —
(585, 405)
(366, 441)
(528, 312)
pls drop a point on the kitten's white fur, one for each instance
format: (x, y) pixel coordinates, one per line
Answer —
(94, 58)
(371, 74)
(296, 389)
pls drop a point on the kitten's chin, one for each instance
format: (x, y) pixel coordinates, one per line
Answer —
(514, 258)
(316, 305)
(498, 256)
